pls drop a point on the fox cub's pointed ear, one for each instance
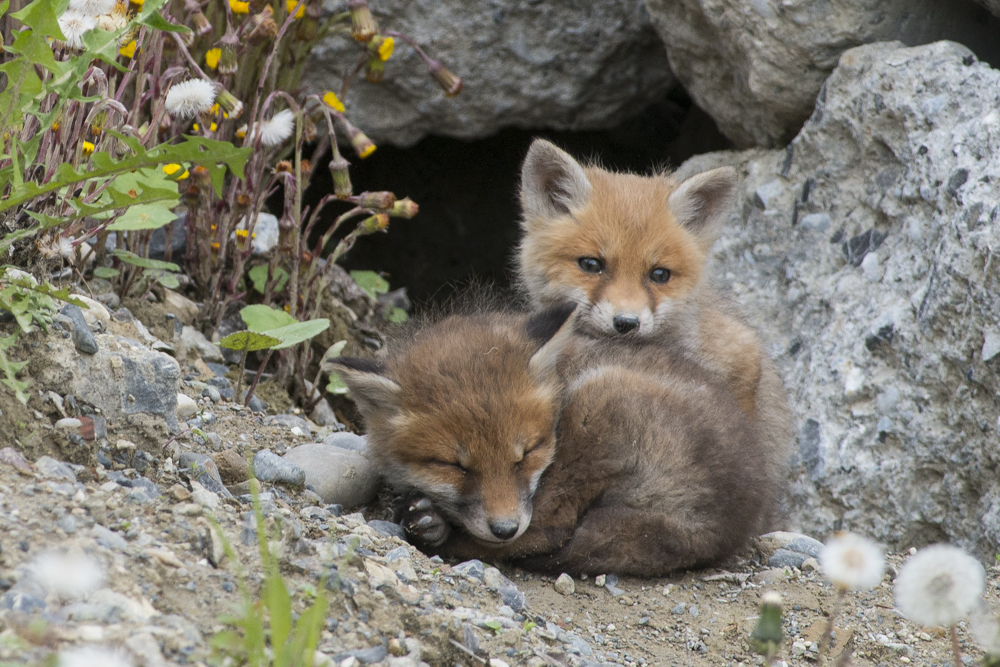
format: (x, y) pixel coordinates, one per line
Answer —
(551, 329)
(552, 182)
(374, 393)
(702, 202)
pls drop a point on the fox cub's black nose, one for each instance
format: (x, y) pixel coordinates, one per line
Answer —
(504, 529)
(625, 323)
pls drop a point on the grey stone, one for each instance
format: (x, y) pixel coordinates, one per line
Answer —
(786, 558)
(819, 222)
(21, 602)
(219, 382)
(757, 66)
(123, 378)
(256, 404)
(212, 393)
(324, 415)
(387, 528)
(679, 608)
(108, 538)
(512, 597)
(202, 469)
(366, 656)
(52, 469)
(352, 441)
(68, 524)
(804, 544)
(86, 612)
(290, 422)
(992, 5)
(893, 126)
(158, 241)
(265, 233)
(194, 344)
(83, 337)
(396, 554)
(338, 475)
(563, 65)
(473, 569)
(565, 584)
(269, 467)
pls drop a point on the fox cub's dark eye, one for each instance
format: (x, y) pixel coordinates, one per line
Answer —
(590, 264)
(659, 275)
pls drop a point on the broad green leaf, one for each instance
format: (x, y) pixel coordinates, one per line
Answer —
(10, 370)
(106, 272)
(143, 262)
(258, 276)
(42, 16)
(293, 334)
(144, 216)
(370, 282)
(262, 318)
(336, 386)
(397, 316)
(333, 351)
(279, 605)
(155, 20)
(165, 278)
(248, 340)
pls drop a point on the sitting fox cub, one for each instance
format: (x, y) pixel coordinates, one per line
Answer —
(510, 442)
(631, 251)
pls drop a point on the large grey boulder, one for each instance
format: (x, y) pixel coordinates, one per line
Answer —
(866, 252)
(756, 66)
(992, 5)
(573, 64)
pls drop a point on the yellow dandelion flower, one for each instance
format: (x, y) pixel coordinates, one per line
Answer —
(129, 49)
(290, 5)
(242, 132)
(212, 57)
(333, 101)
(239, 7)
(241, 233)
(88, 148)
(171, 169)
(368, 150)
(55, 126)
(215, 109)
(215, 246)
(286, 308)
(137, 3)
(385, 48)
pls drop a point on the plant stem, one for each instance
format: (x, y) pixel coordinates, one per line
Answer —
(256, 378)
(827, 638)
(955, 648)
(239, 378)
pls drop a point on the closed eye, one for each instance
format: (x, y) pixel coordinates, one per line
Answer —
(450, 465)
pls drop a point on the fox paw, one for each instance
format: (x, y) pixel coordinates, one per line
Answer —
(422, 522)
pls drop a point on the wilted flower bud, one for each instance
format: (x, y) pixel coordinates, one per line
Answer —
(339, 170)
(363, 146)
(308, 128)
(450, 83)
(404, 208)
(229, 43)
(376, 223)
(362, 22)
(381, 47)
(376, 200)
(766, 637)
(202, 178)
(200, 22)
(264, 27)
(229, 104)
(283, 167)
(97, 126)
(374, 69)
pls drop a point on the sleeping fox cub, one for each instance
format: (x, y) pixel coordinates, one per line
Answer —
(631, 251)
(509, 441)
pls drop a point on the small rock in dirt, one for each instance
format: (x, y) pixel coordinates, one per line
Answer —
(772, 575)
(67, 523)
(202, 469)
(21, 602)
(15, 459)
(324, 415)
(233, 468)
(366, 656)
(52, 469)
(679, 608)
(108, 538)
(337, 475)
(352, 441)
(70, 424)
(396, 554)
(786, 558)
(203, 497)
(387, 528)
(810, 565)
(187, 407)
(269, 467)
(819, 222)
(256, 404)
(290, 422)
(564, 584)
(512, 597)
(194, 343)
(600, 580)
(184, 308)
(83, 338)
(95, 312)
(493, 578)
(212, 394)
(473, 569)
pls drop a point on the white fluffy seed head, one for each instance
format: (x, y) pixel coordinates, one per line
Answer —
(92, 7)
(92, 656)
(985, 628)
(771, 598)
(190, 98)
(274, 131)
(852, 562)
(74, 25)
(67, 575)
(939, 586)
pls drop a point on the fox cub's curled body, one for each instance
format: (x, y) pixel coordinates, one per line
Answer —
(631, 251)
(510, 441)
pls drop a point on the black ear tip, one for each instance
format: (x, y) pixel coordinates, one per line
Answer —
(544, 324)
(357, 364)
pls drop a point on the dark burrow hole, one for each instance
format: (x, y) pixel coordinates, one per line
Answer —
(467, 227)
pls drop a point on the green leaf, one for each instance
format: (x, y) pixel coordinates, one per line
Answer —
(333, 351)
(165, 278)
(144, 216)
(370, 282)
(106, 272)
(262, 318)
(279, 605)
(493, 625)
(143, 262)
(397, 316)
(42, 17)
(248, 340)
(335, 385)
(258, 276)
(10, 369)
(293, 334)
(155, 20)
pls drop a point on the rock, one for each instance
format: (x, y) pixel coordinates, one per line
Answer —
(269, 467)
(50, 468)
(108, 538)
(756, 66)
(15, 459)
(233, 468)
(539, 73)
(212, 394)
(95, 313)
(565, 585)
(265, 233)
(187, 407)
(338, 475)
(512, 597)
(992, 5)
(324, 415)
(194, 344)
(121, 378)
(290, 422)
(893, 128)
(473, 569)
(786, 558)
(256, 405)
(991, 345)
(184, 308)
(202, 469)
(83, 338)
(352, 441)
(70, 424)
(387, 528)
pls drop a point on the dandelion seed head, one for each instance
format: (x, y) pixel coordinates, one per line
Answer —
(74, 25)
(190, 98)
(68, 575)
(277, 129)
(93, 8)
(939, 586)
(985, 628)
(852, 562)
(92, 656)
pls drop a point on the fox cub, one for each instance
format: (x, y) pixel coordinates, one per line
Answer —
(511, 442)
(631, 252)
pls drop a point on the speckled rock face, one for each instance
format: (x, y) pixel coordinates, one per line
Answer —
(866, 252)
(756, 66)
(566, 65)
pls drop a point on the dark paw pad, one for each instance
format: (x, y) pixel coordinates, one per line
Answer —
(422, 522)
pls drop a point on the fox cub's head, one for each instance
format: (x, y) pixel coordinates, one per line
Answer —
(465, 414)
(628, 249)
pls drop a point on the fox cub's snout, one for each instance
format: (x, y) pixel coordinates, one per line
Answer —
(629, 249)
(465, 415)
